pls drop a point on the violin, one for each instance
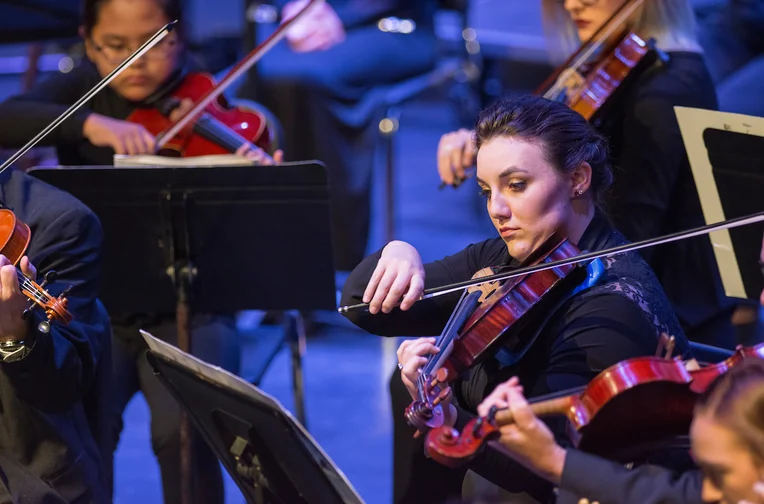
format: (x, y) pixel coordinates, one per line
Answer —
(620, 399)
(477, 330)
(592, 78)
(219, 129)
(14, 237)
(207, 119)
(603, 65)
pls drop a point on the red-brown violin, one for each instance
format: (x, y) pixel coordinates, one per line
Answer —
(210, 126)
(652, 399)
(476, 332)
(14, 237)
(590, 78)
(221, 129)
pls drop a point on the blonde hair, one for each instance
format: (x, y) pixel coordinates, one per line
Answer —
(736, 401)
(671, 23)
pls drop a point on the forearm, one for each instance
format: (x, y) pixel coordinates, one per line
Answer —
(424, 318)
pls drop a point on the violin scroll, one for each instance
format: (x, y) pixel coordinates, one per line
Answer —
(55, 307)
(427, 412)
(452, 449)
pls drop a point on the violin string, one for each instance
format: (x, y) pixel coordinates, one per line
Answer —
(237, 71)
(31, 288)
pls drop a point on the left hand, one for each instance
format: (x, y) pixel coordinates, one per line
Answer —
(259, 156)
(528, 440)
(12, 301)
(318, 30)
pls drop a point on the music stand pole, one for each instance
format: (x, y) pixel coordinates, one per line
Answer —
(182, 274)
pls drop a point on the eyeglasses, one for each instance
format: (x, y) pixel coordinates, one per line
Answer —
(117, 54)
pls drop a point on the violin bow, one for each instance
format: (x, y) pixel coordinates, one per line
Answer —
(237, 71)
(589, 256)
(162, 33)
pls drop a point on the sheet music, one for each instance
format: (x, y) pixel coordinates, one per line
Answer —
(126, 161)
(692, 124)
(218, 375)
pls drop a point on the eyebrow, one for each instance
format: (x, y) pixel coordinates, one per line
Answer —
(509, 170)
(114, 36)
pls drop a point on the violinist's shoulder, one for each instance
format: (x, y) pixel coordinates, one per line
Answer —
(43, 206)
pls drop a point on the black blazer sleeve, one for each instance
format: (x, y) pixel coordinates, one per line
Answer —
(607, 482)
(61, 367)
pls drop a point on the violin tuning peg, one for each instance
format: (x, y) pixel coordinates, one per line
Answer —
(50, 277)
(66, 291)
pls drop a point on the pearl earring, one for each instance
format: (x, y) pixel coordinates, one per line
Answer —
(578, 193)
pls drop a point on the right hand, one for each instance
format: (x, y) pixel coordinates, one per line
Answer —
(318, 30)
(456, 153)
(412, 356)
(122, 136)
(528, 440)
(399, 274)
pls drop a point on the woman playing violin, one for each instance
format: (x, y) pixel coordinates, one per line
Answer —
(542, 170)
(112, 30)
(727, 436)
(654, 191)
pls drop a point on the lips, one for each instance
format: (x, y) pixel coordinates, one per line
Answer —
(507, 231)
(581, 23)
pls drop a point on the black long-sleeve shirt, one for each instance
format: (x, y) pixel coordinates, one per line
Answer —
(654, 190)
(604, 481)
(47, 450)
(618, 318)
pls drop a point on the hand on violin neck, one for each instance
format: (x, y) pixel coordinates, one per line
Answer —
(318, 30)
(456, 152)
(412, 356)
(259, 156)
(12, 302)
(399, 274)
(122, 136)
(527, 440)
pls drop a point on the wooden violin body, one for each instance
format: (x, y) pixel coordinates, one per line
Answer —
(504, 313)
(590, 79)
(605, 79)
(221, 129)
(15, 237)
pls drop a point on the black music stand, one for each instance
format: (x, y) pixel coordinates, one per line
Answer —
(211, 240)
(269, 455)
(726, 153)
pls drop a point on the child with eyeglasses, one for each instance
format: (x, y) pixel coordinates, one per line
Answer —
(112, 30)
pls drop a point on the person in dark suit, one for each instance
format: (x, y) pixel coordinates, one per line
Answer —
(49, 376)
(325, 86)
(727, 435)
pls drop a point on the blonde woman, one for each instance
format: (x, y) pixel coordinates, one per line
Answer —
(654, 191)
